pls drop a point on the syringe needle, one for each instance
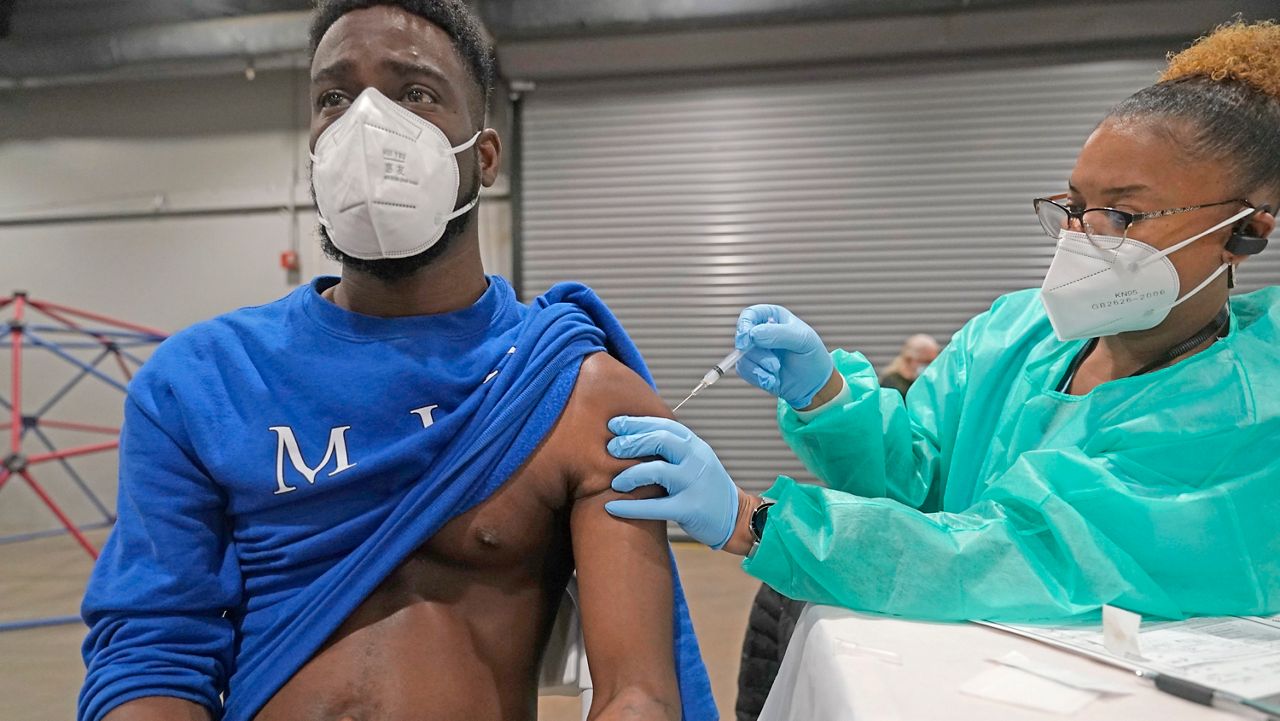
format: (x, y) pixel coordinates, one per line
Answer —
(713, 375)
(692, 393)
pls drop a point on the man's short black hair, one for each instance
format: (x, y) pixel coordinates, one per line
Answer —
(454, 17)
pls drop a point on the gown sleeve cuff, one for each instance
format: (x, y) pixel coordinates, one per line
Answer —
(857, 378)
(768, 557)
(839, 399)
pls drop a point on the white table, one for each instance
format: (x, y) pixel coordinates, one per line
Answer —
(836, 669)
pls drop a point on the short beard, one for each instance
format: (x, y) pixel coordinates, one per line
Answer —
(390, 270)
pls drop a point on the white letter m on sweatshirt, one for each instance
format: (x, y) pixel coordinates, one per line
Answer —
(287, 443)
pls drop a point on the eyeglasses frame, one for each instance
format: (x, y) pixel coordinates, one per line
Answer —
(1130, 218)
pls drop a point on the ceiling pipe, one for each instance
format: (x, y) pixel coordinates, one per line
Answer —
(543, 19)
(261, 39)
(55, 19)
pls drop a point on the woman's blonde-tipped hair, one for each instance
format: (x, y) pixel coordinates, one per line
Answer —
(1236, 51)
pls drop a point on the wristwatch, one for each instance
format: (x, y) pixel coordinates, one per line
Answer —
(759, 517)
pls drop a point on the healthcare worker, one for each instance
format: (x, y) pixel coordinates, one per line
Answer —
(1110, 438)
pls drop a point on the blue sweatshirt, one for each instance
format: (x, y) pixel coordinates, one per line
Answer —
(278, 462)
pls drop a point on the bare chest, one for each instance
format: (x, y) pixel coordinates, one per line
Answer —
(521, 530)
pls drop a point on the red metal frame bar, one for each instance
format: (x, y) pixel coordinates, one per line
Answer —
(66, 522)
(106, 342)
(69, 426)
(45, 305)
(128, 374)
(72, 452)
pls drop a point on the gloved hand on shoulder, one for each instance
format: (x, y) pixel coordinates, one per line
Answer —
(701, 496)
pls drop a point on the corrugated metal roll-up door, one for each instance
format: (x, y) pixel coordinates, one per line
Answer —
(873, 207)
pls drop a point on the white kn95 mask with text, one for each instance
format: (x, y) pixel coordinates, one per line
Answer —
(1091, 291)
(386, 180)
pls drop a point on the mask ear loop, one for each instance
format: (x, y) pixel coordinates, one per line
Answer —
(464, 209)
(1221, 269)
(1179, 246)
(474, 201)
(1241, 243)
(468, 144)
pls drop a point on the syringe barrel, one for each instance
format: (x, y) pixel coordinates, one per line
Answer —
(731, 360)
(724, 366)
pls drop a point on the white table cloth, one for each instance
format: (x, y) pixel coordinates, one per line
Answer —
(845, 666)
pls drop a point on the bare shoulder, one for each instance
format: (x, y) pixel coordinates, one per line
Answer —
(605, 388)
(606, 385)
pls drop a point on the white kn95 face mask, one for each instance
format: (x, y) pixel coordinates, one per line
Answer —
(386, 180)
(1126, 285)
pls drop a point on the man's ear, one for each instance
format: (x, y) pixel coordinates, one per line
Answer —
(489, 149)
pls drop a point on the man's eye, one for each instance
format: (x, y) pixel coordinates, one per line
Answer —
(332, 99)
(418, 95)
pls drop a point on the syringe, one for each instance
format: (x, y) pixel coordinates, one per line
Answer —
(717, 371)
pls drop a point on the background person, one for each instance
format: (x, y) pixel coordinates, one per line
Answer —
(916, 354)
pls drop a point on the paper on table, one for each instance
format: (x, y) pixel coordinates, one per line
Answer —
(1234, 654)
(1082, 681)
(1120, 632)
(1239, 654)
(1017, 687)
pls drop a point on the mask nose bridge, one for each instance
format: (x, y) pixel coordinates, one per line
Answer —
(1109, 255)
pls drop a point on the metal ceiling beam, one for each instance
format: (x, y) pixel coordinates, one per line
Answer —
(1119, 26)
(540, 19)
(58, 41)
(61, 18)
(264, 38)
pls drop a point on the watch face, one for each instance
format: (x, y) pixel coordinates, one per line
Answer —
(758, 519)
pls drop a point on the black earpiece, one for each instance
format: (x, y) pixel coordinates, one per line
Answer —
(1241, 243)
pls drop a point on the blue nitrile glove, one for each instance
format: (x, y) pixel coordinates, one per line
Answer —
(784, 356)
(701, 496)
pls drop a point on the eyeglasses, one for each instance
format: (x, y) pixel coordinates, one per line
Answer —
(1106, 228)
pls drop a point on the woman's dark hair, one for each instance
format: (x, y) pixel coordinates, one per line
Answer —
(1225, 88)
